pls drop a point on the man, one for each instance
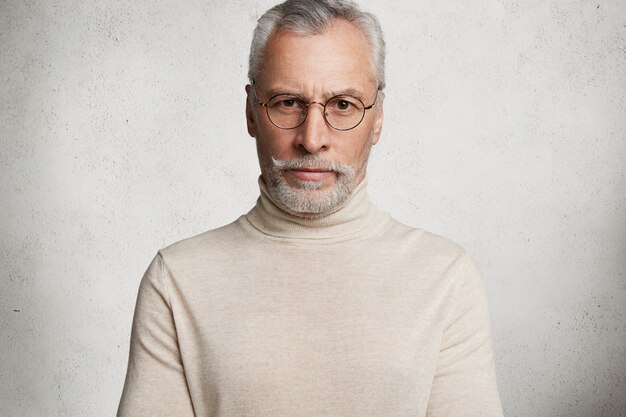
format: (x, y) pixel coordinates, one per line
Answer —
(314, 303)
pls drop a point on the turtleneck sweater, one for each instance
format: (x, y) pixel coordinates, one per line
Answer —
(274, 315)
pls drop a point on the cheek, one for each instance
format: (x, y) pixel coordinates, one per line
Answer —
(273, 144)
(357, 149)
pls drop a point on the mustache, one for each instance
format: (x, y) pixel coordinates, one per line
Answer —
(311, 161)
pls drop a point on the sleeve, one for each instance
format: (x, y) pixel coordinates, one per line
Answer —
(465, 383)
(155, 381)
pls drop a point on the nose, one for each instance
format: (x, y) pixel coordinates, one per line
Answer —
(313, 135)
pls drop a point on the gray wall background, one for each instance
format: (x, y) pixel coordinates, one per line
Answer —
(122, 130)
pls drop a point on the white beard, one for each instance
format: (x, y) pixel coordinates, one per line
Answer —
(305, 198)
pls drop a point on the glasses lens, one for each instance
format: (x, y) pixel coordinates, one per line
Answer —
(344, 112)
(286, 111)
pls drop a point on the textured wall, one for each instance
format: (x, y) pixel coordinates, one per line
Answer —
(122, 130)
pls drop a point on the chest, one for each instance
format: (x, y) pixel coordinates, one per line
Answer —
(307, 332)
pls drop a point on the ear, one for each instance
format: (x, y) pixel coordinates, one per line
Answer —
(378, 121)
(251, 123)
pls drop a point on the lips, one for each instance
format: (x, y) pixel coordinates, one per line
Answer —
(311, 174)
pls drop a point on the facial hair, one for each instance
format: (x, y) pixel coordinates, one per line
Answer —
(305, 198)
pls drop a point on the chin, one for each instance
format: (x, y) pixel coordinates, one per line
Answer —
(309, 198)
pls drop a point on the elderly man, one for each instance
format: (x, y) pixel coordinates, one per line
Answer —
(314, 303)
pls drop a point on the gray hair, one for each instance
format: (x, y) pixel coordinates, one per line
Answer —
(311, 17)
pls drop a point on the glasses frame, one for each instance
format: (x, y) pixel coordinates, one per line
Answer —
(306, 109)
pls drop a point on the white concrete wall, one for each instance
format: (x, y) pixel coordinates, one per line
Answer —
(122, 130)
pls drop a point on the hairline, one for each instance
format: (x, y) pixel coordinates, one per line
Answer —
(286, 17)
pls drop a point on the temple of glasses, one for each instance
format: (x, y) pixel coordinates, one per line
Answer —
(341, 112)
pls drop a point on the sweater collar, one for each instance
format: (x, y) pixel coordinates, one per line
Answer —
(352, 220)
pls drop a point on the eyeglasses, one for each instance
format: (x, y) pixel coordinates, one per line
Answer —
(288, 111)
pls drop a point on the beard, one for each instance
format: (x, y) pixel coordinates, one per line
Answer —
(305, 198)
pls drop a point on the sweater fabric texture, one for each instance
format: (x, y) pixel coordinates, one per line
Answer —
(352, 314)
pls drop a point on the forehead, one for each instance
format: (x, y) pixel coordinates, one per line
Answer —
(338, 58)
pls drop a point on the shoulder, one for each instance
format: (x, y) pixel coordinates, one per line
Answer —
(196, 258)
(205, 244)
(423, 242)
(431, 257)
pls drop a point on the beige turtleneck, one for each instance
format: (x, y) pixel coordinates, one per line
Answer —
(352, 314)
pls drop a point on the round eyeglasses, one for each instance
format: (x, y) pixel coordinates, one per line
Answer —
(288, 111)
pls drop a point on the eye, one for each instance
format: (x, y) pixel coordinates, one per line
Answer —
(285, 103)
(343, 104)
(288, 102)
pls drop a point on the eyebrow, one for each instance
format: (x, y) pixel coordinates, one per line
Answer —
(347, 92)
(350, 91)
(277, 92)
